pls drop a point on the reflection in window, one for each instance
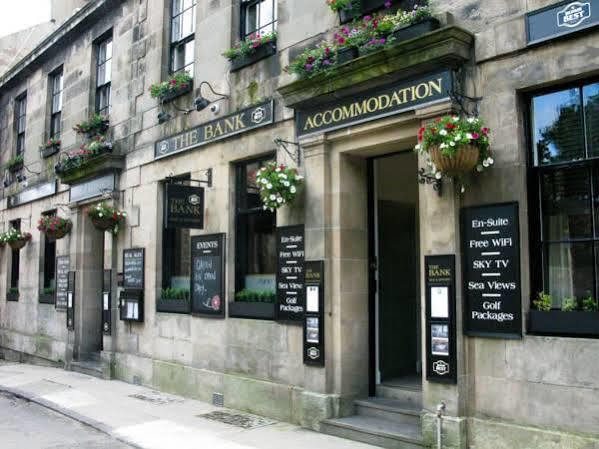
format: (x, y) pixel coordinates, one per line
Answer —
(258, 16)
(591, 111)
(56, 108)
(183, 23)
(103, 76)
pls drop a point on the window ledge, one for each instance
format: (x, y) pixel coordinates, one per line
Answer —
(254, 310)
(262, 52)
(174, 95)
(173, 306)
(565, 324)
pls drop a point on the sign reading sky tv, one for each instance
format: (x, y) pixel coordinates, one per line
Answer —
(561, 19)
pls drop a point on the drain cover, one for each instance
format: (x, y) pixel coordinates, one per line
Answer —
(156, 398)
(244, 421)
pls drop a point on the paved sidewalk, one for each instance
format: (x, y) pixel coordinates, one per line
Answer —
(149, 419)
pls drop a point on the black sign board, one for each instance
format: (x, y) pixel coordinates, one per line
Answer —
(208, 275)
(441, 365)
(290, 274)
(314, 322)
(184, 206)
(133, 268)
(62, 281)
(491, 249)
(132, 305)
(71, 300)
(375, 103)
(239, 122)
(561, 19)
(107, 302)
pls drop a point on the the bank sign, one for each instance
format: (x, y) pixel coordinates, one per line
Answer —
(561, 19)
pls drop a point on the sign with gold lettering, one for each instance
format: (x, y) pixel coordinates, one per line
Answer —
(239, 122)
(375, 103)
(184, 207)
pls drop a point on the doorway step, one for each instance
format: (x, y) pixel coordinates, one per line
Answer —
(90, 364)
(380, 421)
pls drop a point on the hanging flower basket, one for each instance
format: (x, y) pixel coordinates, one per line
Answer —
(106, 218)
(54, 227)
(455, 147)
(279, 185)
(16, 239)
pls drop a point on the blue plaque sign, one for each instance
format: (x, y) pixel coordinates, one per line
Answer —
(561, 19)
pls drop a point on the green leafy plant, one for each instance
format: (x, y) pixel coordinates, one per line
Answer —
(97, 146)
(174, 84)
(569, 304)
(543, 303)
(248, 295)
(175, 294)
(14, 162)
(340, 5)
(249, 45)
(278, 185)
(49, 290)
(97, 124)
(589, 304)
(13, 290)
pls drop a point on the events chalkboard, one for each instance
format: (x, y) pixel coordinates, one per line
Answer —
(133, 268)
(62, 281)
(290, 274)
(491, 248)
(207, 275)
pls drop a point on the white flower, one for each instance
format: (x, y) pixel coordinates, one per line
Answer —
(264, 181)
(272, 197)
(452, 144)
(265, 207)
(299, 177)
(279, 200)
(438, 175)
(269, 186)
(443, 132)
(100, 214)
(457, 137)
(418, 147)
(479, 168)
(471, 120)
(490, 161)
(282, 175)
(455, 118)
(278, 169)
(292, 189)
(469, 136)
(286, 183)
(486, 163)
(443, 145)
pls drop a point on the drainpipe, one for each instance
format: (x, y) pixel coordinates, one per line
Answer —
(440, 410)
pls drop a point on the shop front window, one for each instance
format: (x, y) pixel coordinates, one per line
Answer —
(565, 203)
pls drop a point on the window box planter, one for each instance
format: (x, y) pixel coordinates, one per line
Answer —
(346, 54)
(12, 296)
(417, 29)
(256, 310)
(556, 322)
(50, 151)
(174, 95)
(173, 305)
(46, 298)
(264, 51)
(90, 168)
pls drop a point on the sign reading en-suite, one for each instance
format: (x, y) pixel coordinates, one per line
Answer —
(375, 103)
(290, 274)
(561, 19)
(491, 248)
(239, 122)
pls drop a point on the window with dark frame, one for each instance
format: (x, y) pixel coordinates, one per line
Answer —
(255, 234)
(15, 258)
(183, 25)
(565, 203)
(49, 261)
(20, 122)
(103, 76)
(258, 16)
(56, 80)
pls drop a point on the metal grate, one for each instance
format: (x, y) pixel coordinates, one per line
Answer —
(218, 399)
(243, 420)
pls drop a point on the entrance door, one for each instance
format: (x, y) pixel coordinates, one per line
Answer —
(396, 254)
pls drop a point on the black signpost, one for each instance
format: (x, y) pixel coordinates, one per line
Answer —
(62, 282)
(314, 322)
(106, 302)
(131, 299)
(290, 274)
(561, 19)
(491, 249)
(184, 206)
(208, 275)
(441, 357)
(71, 300)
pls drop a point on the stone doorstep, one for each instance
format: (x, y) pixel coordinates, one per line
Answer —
(89, 367)
(389, 409)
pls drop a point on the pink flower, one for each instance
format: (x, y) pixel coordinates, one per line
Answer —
(475, 136)
(388, 4)
(485, 131)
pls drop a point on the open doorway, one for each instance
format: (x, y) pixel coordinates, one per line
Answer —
(395, 275)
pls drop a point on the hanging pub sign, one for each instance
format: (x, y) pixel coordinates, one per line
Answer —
(491, 249)
(440, 319)
(62, 282)
(314, 321)
(561, 19)
(290, 274)
(133, 268)
(376, 103)
(184, 206)
(244, 120)
(208, 275)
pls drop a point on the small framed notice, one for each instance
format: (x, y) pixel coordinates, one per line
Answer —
(440, 302)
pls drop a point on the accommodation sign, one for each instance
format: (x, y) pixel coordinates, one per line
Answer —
(239, 122)
(561, 19)
(290, 274)
(491, 248)
(375, 103)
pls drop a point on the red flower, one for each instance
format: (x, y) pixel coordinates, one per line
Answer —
(438, 119)
(485, 131)
(173, 82)
(450, 126)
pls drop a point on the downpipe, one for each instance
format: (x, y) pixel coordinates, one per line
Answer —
(440, 410)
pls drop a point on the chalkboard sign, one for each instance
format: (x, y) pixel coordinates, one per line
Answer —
(133, 268)
(491, 248)
(290, 274)
(207, 275)
(62, 281)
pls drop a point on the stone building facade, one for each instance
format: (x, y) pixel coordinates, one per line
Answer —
(363, 211)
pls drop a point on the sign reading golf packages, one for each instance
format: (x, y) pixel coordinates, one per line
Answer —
(375, 103)
(491, 248)
(290, 274)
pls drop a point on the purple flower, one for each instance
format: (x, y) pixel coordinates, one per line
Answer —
(308, 67)
(367, 18)
(326, 62)
(388, 4)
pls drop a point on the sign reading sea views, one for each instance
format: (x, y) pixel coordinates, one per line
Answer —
(491, 248)
(207, 275)
(561, 19)
(375, 103)
(239, 122)
(290, 274)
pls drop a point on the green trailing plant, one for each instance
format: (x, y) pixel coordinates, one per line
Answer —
(249, 295)
(176, 83)
(97, 146)
(106, 217)
(96, 124)
(175, 294)
(544, 302)
(49, 290)
(14, 162)
(249, 45)
(569, 304)
(589, 304)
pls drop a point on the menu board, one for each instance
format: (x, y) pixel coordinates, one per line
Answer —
(207, 275)
(290, 274)
(133, 268)
(62, 281)
(491, 248)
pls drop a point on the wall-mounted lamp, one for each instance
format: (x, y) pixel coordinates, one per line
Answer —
(163, 117)
(202, 103)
